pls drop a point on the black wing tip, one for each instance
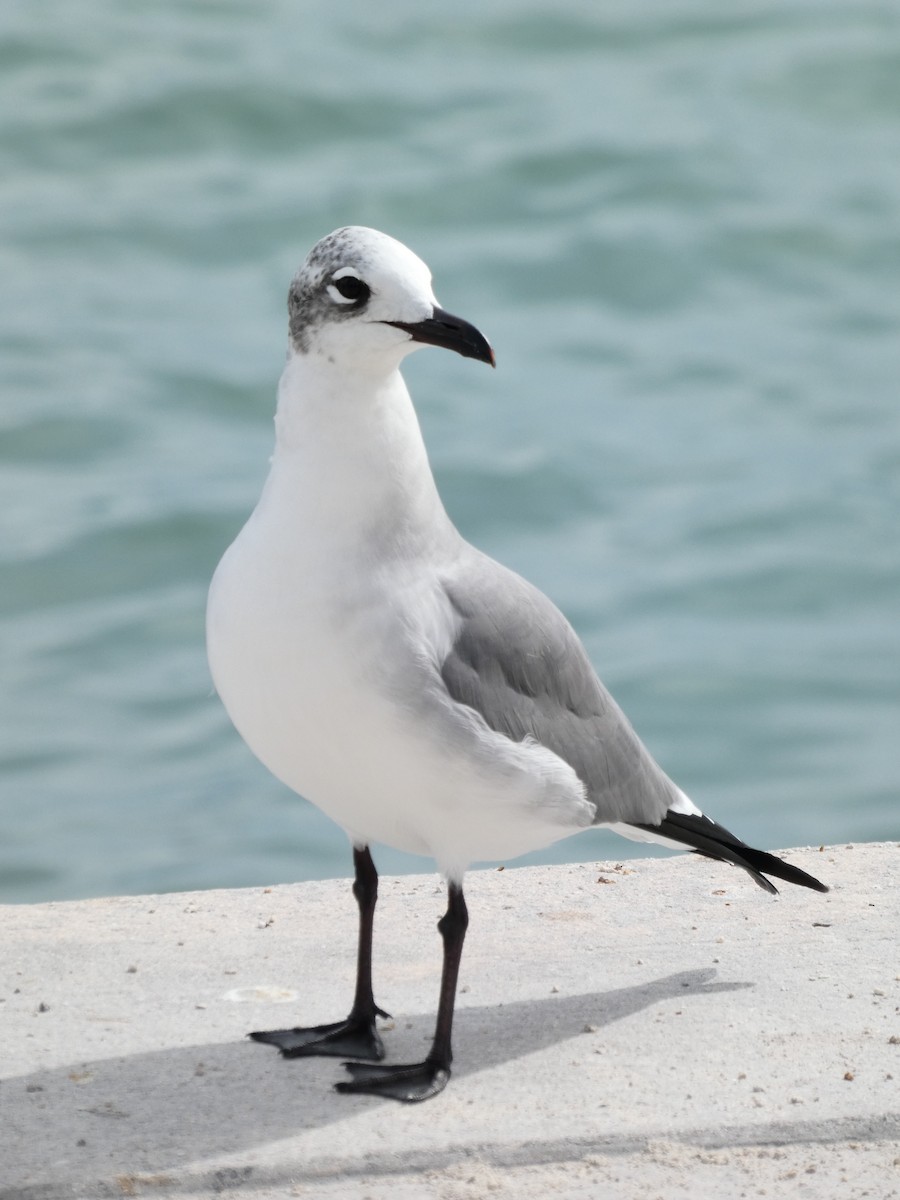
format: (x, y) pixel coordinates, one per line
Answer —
(772, 865)
(704, 836)
(811, 882)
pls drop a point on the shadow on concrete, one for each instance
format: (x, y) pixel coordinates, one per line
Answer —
(93, 1125)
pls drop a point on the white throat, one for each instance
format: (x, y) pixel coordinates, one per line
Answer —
(350, 461)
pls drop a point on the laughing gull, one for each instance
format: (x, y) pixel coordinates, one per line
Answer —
(418, 692)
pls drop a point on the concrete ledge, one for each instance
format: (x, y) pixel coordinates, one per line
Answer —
(655, 1028)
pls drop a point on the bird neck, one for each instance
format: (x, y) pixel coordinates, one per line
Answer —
(350, 459)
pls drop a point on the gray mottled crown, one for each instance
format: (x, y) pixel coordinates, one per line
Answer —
(343, 248)
(397, 284)
(308, 302)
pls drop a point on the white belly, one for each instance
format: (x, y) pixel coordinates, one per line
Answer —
(327, 682)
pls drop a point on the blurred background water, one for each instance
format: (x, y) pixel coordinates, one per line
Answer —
(678, 223)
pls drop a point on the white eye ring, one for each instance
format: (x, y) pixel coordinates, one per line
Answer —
(337, 294)
(337, 297)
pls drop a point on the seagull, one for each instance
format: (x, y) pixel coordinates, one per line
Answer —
(419, 693)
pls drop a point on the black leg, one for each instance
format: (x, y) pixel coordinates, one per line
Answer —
(419, 1081)
(357, 1035)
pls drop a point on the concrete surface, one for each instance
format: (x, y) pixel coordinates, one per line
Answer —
(659, 1028)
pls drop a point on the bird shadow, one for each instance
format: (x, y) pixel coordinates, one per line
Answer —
(160, 1110)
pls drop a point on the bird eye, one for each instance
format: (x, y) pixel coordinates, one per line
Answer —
(348, 289)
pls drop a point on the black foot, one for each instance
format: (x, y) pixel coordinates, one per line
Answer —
(360, 1039)
(409, 1083)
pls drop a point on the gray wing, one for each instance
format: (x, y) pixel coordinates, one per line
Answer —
(518, 662)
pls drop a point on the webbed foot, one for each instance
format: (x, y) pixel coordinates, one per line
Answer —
(410, 1082)
(354, 1036)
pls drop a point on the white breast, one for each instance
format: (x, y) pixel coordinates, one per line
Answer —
(342, 701)
(326, 627)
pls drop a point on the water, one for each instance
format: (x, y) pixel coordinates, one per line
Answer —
(680, 227)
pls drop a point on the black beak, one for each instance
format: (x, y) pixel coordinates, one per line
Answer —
(453, 333)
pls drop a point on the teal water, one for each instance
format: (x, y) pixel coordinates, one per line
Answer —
(678, 223)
